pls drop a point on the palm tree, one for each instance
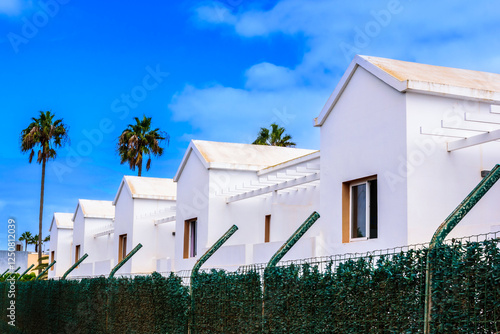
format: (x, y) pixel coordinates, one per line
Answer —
(274, 137)
(45, 134)
(138, 140)
(45, 240)
(34, 241)
(26, 237)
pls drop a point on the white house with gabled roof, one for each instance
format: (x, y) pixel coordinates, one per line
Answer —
(61, 239)
(402, 144)
(266, 191)
(145, 214)
(90, 218)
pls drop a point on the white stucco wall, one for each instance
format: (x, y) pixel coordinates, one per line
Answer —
(124, 217)
(248, 215)
(364, 135)
(61, 243)
(439, 180)
(202, 193)
(165, 242)
(78, 239)
(157, 241)
(192, 202)
(98, 249)
(53, 245)
(136, 217)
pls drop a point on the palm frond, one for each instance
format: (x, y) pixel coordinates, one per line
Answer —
(274, 137)
(45, 133)
(138, 141)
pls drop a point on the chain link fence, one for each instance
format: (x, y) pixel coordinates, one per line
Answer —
(377, 292)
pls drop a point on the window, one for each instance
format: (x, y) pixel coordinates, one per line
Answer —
(19, 247)
(77, 253)
(359, 210)
(52, 259)
(267, 231)
(122, 247)
(190, 242)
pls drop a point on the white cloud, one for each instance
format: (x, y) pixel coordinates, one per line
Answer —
(215, 13)
(14, 7)
(269, 76)
(459, 34)
(10, 7)
(235, 115)
(406, 29)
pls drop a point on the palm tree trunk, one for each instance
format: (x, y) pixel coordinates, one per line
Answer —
(140, 169)
(41, 215)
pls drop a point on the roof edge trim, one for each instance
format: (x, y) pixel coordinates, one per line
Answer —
(118, 193)
(308, 157)
(358, 60)
(165, 198)
(191, 148)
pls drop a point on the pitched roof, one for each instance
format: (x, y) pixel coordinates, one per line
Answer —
(234, 156)
(62, 220)
(311, 157)
(148, 187)
(96, 209)
(427, 79)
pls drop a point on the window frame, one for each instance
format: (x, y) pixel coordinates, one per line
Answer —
(190, 238)
(347, 202)
(122, 247)
(367, 211)
(77, 253)
(267, 229)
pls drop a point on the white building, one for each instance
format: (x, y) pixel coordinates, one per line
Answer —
(412, 139)
(92, 217)
(145, 214)
(402, 144)
(252, 186)
(61, 240)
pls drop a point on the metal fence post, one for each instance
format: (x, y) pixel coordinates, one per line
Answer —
(45, 270)
(25, 272)
(9, 274)
(213, 249)
(5, 272)
(293, 240)
(282, 252)
(445, 228)
(77, 263)
(125, 259)
(202, 260)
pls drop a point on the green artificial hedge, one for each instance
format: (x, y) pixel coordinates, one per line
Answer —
(371, 294)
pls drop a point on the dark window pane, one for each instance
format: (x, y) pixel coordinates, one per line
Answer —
(193, 239)
(358, 211)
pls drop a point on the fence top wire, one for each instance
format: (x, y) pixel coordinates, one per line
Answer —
(321, 262)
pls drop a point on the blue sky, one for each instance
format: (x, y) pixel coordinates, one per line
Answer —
(212, 70)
